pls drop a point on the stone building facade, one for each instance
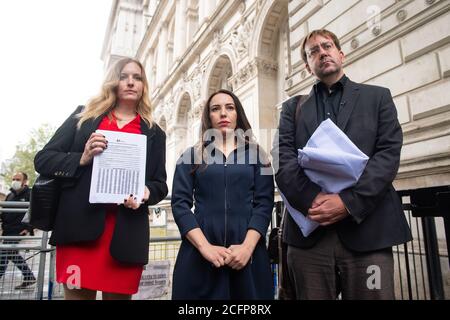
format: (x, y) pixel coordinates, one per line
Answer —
(193, 47)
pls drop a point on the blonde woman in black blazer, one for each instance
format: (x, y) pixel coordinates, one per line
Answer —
(68, 156)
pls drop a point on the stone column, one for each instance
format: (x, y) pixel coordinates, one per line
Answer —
(149, 66)
(205, 9)
(152, 4)
(161, 68)
(180, 28)
(210, 6)
(192, 23)
(201, 11)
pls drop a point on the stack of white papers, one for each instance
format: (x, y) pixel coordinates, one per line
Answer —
(120, 169)
(332, 161)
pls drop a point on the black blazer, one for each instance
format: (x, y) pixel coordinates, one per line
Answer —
(79, 221)
(369, 118)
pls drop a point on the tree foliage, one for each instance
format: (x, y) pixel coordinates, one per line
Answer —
(23, 159)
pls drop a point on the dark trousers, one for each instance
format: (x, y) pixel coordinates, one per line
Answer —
(329, 269)
(17, 259)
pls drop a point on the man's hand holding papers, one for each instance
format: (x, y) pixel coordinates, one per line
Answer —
(332, 161)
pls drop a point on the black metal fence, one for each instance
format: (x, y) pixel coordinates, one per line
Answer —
(422, 264)
(425, 260)
(419, 264)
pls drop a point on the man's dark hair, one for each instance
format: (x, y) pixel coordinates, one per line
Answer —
(319, 32)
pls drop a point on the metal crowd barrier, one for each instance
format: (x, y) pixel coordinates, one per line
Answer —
(35, 251)
(426, 259)
(421, 265)
(40, 257)
(418, 272)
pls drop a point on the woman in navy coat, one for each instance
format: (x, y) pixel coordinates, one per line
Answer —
(228, 179)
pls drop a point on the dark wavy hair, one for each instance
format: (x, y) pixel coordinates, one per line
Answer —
(242, 123)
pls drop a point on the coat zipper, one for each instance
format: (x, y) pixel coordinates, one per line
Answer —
(225, 202)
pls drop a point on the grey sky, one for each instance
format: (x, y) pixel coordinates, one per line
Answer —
(50, 63)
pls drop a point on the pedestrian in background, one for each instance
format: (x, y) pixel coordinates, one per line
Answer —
(12, 226)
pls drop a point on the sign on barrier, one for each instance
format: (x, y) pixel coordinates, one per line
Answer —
(155, 281)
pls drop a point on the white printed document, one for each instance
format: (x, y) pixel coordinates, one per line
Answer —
(120, 169)
(332, 161)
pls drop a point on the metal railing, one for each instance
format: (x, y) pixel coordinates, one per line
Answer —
(40, 258)
(33, 251)
(418, 272)
(428, 254)
(419, 263)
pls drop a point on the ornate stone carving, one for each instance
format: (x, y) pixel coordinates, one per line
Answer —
(401, 15)
(376, 30)
(196, 83)
(354, 44)
(290, 83)
(168, 110)
(303, 74)
(259, 4)
(197, 86)
(216, 43)
(241, 36)
(244, 75)
(267, 68)
(194, 80)
(252, 69)
(242, 7)
(195, 112)
(185, 77)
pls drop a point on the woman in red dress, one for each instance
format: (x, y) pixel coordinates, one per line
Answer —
(103, 247)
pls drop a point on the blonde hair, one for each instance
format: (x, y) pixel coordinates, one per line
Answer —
(106, 100)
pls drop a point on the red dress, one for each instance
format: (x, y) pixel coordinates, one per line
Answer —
(97, 269)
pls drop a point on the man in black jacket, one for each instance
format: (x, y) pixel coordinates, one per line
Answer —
(12, 226)
(350, 253)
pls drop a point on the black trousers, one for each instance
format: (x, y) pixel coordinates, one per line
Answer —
(17, 259)
(329, 269)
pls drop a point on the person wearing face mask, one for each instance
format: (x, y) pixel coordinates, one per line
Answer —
(12, 226)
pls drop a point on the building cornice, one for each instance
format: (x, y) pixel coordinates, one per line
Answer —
(201, 40)
(151, 28)
(109, 28)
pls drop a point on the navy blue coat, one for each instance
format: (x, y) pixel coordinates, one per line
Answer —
(231, 197)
